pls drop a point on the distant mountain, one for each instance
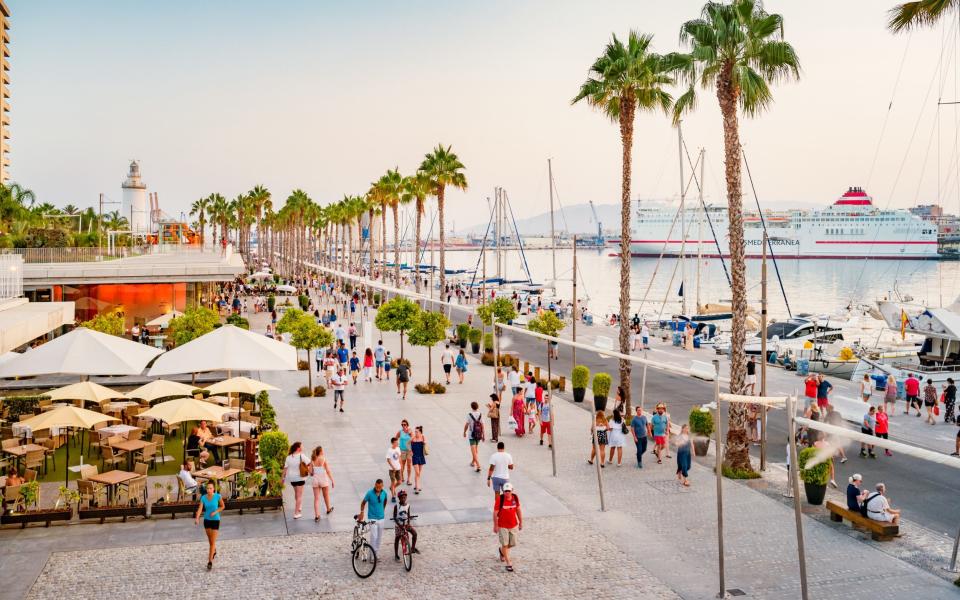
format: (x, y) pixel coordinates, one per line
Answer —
(572, 219)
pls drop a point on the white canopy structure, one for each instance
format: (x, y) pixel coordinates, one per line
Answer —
(286, 288)
(164, 319)
(82, 352)
(160, 388)
(260, 275)
(227, 348)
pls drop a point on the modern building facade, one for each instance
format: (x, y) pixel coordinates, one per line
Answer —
(4, 92)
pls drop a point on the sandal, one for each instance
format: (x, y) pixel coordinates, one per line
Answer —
(510, 568)
(329, 510)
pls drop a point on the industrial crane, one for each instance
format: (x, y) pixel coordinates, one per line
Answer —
(599, 241)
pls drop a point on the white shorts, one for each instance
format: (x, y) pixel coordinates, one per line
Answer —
(883, 517)
(751, 379)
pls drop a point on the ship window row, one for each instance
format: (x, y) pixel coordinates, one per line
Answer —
(845, 231)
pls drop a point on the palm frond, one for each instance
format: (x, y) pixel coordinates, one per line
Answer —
(920, 13)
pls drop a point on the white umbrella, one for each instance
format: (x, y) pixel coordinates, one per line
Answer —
(85, 390)
(160, 388)
(286, 288)
(64, 417)
(240, 385)
(227, 348)
(261, 275)
(82, 352)
(164, 319)
(186, 409)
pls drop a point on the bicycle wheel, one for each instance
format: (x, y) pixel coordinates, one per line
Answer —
(406, 553)
(364, 560)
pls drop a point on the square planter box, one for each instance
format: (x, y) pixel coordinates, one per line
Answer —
(174, 508)
(108, 512)
(258, 502)
(37, 516)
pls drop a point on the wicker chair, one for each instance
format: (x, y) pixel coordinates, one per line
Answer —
(109, 456)
(135, 490)
(148, 455)
(13, 498)
(36, 459)
(91, 493)
(141, 468)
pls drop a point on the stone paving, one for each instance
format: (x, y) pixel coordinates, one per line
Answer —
(655, 538)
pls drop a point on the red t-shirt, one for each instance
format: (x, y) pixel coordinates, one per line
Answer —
(882, 423)
(811, 388)
(507, 517)
(912, 386)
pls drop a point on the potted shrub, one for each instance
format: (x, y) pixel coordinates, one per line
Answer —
(815, 477)
(31, 497)
(488, 343)
(249, 486)
(463, 331)
(475, 336)
(580, 377)
(166, 505)
(271, 302)
(601, 387)
(701, 426)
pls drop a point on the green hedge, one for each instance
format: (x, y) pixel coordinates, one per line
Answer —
(580, 377)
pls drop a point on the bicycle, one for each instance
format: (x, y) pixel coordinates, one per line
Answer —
(403, 534)
(364, 557)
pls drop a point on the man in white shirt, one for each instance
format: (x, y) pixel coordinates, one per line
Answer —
(186, 477)
(878, 507)
(645, 336)
(341, 334)
(393, 466)
(338, 382)
(513, 378)
(446, 359)
(501, 464)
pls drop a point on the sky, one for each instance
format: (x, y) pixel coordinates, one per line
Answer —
(218, 96)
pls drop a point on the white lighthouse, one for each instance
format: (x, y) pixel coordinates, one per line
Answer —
(133, 205)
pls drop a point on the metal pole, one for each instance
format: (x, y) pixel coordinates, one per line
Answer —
(643, 381)
(553, 413)
(953, 556)
(795, 486)
(683, 227)
(719, 473)
(700, 227)
(100, 226)
(576, 311)
(763, 352)
(553, 236)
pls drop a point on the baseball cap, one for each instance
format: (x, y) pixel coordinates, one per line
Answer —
(508, 487)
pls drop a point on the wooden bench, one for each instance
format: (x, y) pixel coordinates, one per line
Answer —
(880, 531)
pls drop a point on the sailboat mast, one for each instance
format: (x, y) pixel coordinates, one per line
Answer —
(702, 209)
(553, 235)
(683, 226)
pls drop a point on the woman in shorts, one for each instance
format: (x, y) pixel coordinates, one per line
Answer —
(295, 470)
(211, 505)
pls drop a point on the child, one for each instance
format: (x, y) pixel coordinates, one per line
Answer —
(531, 416)
(354, 367)
(386, 366)
(329, 366)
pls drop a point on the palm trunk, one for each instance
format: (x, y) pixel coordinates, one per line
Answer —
(626, 140)
(383, 242)
(443, 243)
(736, 449)
(416, 250)
(396, 246)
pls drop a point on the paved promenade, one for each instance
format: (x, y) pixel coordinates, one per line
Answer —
(656, 539)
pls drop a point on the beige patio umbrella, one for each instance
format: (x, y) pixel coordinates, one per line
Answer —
(160, 388)
(240, 385)
(84, 390)
(227, 348)
(186, 409)
(65, 417)
(164, 319)
(83, 352)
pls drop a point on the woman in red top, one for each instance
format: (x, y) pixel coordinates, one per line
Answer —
(882, 428)
(368, 364)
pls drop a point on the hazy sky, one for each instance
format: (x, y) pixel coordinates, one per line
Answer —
(217, 96)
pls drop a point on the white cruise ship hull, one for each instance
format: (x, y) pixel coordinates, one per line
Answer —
(785, 247)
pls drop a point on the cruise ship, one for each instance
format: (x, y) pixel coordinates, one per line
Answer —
(852, 227)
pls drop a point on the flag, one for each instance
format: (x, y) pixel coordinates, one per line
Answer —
(903, 324)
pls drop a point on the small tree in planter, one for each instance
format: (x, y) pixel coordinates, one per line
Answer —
(815, 473)
(547, 324)
(601, 387)
(701, 425)
(195, 321)
(305, 334)
(429, 330)
(501, 309)
(399, 314)
(488, 343)
(475, 336)
(579, 377)
(271, 301)
(463, 330)
(304, 301)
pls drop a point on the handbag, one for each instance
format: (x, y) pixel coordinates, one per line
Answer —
(426, 449)
(936, 410)
(304, 469)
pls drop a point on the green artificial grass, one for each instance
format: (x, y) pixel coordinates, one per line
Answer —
(173, 446)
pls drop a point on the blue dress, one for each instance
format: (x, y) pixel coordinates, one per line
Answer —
(683, 455)
(418, 456)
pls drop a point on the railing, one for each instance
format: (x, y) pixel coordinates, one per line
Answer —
(84, 255)
(11, 276)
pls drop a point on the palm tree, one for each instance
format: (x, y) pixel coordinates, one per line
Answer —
(71, 210)
(199, 210)
(921, 13)
(260, 198)
(391, 190)
(218, 211)
(417, 188)
(443, 169)
(737, 50)
(628, 76)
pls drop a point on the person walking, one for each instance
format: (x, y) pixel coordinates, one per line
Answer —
(949, 401)
(474, 427)
(404, 435)
(911, 389)
(500, 383)
(890, 395)
(368, 365)
(600, 423)
(394, 467)
(211, 505)
(461, 364)
(824, 388)
(616, 436)
(867, 426)
(339, 383)
(810, 385)
(498, 472)
(645, 336)
(321, 481)
(379, 354)
(376, 499)
(660, 428)
(517, 412)
(930, 401)
(493, 413)
(404, 373)
(639, 427)
(513, 379)
(319, 357)
(546, 420)
(388, 365)
(446, 359)
(418, 447)
(352, 330)
(684, 453)
(882, 427)
(354, 367)
(296, 467)
(750, 388)
(866, 389)
(507, 522)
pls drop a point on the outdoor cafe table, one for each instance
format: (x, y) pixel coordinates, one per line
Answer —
(130, 446)
(123, 430)
(20, 451)
(111, 407)
(218, 473)
(24, 431)
(225, 441)
(231, 427)
(112, 479)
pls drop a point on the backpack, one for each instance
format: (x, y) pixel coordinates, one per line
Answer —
(863, 507)
(476, 428)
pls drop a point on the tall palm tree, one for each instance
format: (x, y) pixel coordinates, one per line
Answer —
(921, 13)
(416, 188)
(218, 211)
(737, 50)
(71, 210)
(199, 210)
(627, 77)
(261, 199)
(391, 187)
(443, 169)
